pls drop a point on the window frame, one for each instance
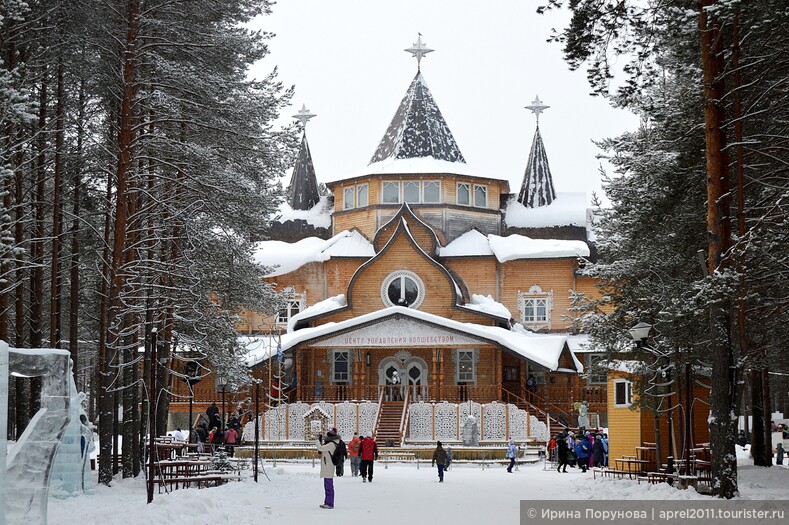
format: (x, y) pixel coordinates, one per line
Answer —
(349, 204)
(418, 184)
(530, 302)
(438, 186)
(468, 377)
(468, 186)
(335, 353)
(359, 188)
(296, 302)
(628, 393)
(402, 274)
(484, 189)
(399, 186)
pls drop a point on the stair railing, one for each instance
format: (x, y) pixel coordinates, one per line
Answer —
(378, 414)
(404, 416)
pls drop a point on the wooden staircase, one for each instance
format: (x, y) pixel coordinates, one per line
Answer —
(389, 423)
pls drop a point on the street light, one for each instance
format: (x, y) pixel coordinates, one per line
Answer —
(192, 373)
(640, 334)
(221, 386)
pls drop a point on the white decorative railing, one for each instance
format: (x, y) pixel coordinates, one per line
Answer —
(423, 421)
(286, 422)
(495, 422)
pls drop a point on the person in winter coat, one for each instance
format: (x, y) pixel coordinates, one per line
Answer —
(440, 459)
(512, 453)
(598, 452)
(571, 448)
(449, 458)
(231, 440)
(779, 454)
(353, 449)
(605, 448)
(326, 449)
(561, 453)
(583, 451)
(368, 450)
(201, 435)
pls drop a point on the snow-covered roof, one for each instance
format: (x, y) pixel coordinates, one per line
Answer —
(418, 129)
(543, 350)
(621, 365)
(470, 243)
(580, 344)
(416, 165)
(521, 247)
(567, 209)
(285, 257)
(322, 307)
(486, 304)
(473, 243)
(318, 216)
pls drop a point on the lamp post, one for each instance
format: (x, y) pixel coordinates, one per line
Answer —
(192, 378)
(640, 334)
(221, 386)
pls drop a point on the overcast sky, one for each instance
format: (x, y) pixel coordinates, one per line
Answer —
(346, 60)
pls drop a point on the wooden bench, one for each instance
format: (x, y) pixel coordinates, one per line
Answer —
(206, 479)
(609, 473)
(654, 477)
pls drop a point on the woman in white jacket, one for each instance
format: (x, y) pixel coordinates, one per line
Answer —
(326, 450)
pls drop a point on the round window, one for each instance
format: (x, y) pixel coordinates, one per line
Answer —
(403, 288)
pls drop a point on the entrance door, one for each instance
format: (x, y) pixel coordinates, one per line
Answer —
(416, 371)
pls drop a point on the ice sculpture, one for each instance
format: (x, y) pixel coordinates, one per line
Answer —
(73, 458)
(25, 481)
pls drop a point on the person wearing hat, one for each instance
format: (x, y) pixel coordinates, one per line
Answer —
(368, 450)
(326, 448)
(440, 459)
(353, 448)
(561, 453)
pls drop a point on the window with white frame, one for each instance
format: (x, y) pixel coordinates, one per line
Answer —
(431, 191)
(391, 192)
(348, 198)
(535, 307)
(411, 191)
(623, 393)
(403, 288)
(341, 366)
(464, 194)
(361, 195)
(465, 366)
(480, 196)
(296, 304)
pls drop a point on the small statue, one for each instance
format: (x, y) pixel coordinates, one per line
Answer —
(469, 433)
(583, 415)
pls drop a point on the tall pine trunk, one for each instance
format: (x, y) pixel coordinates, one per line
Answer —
(723, 396)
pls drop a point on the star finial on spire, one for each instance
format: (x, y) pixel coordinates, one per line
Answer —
(537, 107)
(418, 50)
(304, 115)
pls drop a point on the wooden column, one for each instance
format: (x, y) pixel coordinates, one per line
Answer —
(434, 375)
(499, 365)
(299, 378)
(522, 366)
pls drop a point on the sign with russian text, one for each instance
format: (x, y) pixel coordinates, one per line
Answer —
(399, 332)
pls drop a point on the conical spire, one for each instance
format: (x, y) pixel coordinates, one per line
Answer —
(418, 129)
(537, 189)
(303, 191)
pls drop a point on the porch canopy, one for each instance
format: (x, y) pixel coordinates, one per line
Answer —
(406, 327)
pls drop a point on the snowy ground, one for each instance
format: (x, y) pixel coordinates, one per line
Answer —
(469, 494)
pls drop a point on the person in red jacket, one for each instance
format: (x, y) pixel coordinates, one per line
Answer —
(368, 450)
(353, 449)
